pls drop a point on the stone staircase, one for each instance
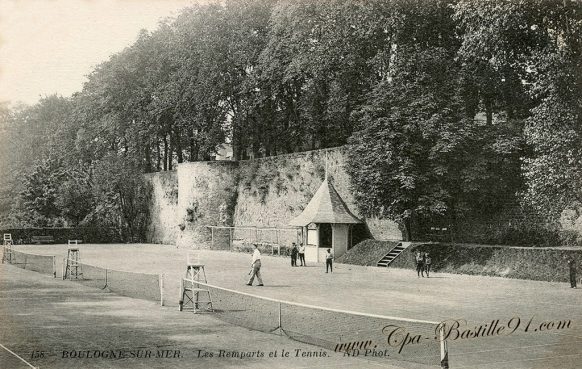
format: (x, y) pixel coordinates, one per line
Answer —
(393, 254)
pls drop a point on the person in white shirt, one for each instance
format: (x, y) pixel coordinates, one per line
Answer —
(329, 261)
(256, 267)
(302, 254)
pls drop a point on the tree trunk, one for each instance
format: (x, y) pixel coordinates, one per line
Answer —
(256, 142)
(165, 153)
(407, 231)
(127, 219)
(179, 151)
(148, 158)
(238, 149)
(158, 155)
(488, 101)
(171, 154)
(191, 144)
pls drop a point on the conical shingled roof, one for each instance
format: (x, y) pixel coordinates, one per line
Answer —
(326, 206)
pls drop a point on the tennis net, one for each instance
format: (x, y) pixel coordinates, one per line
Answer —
(139, 285)
(144, 286)
(374, 337)
(44, 264)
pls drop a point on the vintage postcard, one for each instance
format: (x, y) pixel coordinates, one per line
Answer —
(291, 184)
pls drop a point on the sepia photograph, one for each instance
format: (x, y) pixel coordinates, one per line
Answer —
(285, 184)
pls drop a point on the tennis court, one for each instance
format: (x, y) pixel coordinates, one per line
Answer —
(399, 293)
(50, 323)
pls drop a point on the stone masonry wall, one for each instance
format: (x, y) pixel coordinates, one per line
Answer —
(163, 227)
(207, 196)
(274, 190)
(266, 192)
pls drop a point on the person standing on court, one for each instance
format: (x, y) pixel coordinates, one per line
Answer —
(572, 267)
(256, 267)
(419, 264)
(329, 261)
(294, 252)
(302, 254)
(427, 262)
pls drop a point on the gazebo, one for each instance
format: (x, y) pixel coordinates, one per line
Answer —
(325, 223)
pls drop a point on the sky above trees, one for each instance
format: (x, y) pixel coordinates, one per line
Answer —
(48, 47)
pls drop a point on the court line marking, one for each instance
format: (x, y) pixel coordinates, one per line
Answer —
(26, 362)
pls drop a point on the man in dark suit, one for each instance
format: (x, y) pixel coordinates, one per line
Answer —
(294, 252)
(419, 258)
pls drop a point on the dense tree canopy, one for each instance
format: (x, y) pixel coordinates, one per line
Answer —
(452, 107)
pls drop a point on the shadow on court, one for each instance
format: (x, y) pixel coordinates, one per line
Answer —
(58, 324)
(272, 286)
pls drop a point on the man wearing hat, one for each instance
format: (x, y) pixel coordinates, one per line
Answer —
(256, 267)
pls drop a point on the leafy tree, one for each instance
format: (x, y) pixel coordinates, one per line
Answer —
(526, 57)
(31, 149)
(75, 197)
(315, 71)
(498, 38)
(122, 196)
(407, 151)
(6, 195)
(403, 164)
(453, 107)
(229, 40)
(554, 131)
(40, 192)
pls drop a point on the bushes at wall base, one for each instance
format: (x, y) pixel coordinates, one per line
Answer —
(543, 264)
(63, 234)
(523, 233)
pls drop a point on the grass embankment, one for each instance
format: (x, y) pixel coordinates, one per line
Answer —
(367, 252)
(544, 264)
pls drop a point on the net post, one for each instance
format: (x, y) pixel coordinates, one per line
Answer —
(106, 275)
(180, 293)
(161, 289)
(63, 268)
(444, 348)
(54, 266)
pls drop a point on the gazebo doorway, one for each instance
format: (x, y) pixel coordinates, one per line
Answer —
(325, 235)
(325, 223)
